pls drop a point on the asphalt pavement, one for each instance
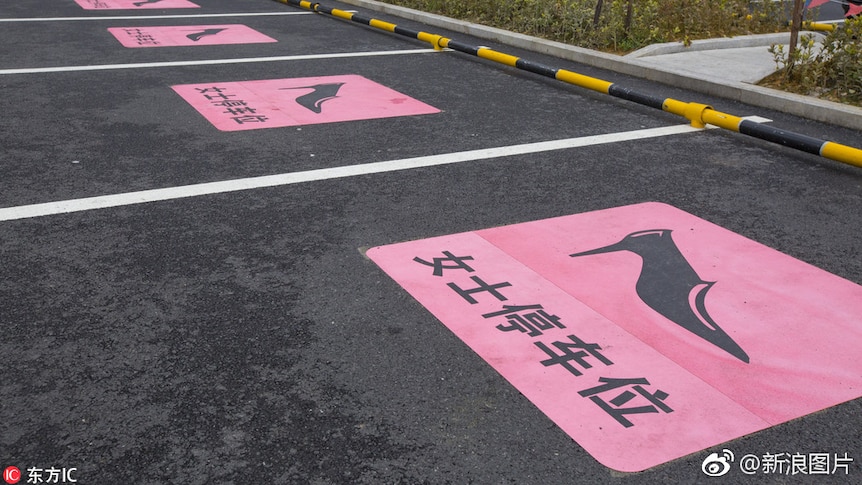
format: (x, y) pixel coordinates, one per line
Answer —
(185, 293)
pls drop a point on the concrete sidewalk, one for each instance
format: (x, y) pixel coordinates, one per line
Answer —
(725, 68)
(740, 59)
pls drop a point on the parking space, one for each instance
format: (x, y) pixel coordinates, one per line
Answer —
(185, 295)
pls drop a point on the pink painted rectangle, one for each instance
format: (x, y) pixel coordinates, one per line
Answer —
(188, 35)
(798, 324)
(652, 437)
(272, 103)
(133, 4)
(782, 339)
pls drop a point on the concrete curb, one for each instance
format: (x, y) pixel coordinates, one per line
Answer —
(759, 40)
(795, 104)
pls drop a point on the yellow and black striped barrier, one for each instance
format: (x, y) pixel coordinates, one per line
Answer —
(698, 114)
(819, 26)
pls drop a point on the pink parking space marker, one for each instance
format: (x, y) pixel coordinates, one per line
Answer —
(273, 103)
(550, 303)
(188, 35)
(796, 324)
(133, 4)
(630, 407)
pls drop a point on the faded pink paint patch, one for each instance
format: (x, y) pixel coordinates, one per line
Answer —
(249, 105)
(188, 35)
(133, 4)
(796, 324)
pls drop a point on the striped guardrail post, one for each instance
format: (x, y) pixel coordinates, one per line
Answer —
(699, 115)
(819, 26)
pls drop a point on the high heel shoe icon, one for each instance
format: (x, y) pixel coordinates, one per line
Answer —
(670, 286)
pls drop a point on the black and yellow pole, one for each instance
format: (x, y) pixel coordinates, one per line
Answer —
(698, 114)
(819, 26)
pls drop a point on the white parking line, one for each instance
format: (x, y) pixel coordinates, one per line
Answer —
(210, 62)
(144, 196)
(153, 17)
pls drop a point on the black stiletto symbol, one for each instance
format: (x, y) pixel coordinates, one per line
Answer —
(197, 35)
(138, 4)
(320, 93)
(670, 286)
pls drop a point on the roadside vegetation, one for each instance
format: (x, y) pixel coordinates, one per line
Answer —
(622, 26)
(617, 25)
(833, 71)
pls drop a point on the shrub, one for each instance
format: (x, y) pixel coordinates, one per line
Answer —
(833, 72)
(622, 25)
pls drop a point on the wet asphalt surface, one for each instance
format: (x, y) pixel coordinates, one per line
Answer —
(244, 337)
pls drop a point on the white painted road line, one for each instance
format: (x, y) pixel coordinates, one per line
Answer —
(211, 62)
(154, 195)
(153, 17)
